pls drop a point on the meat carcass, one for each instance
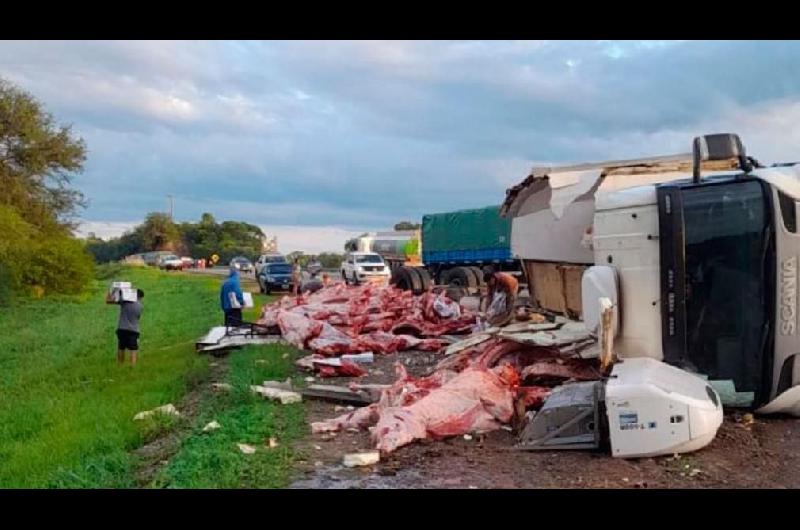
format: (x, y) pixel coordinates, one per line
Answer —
(359, 418)
(297, 329)
(330, 341)
(476, 400)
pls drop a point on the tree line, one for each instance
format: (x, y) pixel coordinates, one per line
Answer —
(199, 240)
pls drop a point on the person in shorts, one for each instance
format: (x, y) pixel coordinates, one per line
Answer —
(128, 328)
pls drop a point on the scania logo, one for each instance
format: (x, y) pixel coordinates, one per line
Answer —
(788, 309)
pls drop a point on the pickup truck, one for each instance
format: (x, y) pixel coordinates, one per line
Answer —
(360, 267)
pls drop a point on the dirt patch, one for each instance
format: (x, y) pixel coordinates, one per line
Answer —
(765, 454)
(154, 455)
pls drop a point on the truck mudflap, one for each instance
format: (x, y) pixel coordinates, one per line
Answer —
(787, 402)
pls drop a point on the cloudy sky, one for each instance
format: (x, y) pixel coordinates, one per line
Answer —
(315, 141)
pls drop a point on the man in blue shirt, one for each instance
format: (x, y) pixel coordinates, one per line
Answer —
(232, 299)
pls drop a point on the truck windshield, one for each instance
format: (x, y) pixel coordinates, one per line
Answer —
(727, 229)
(369, 258)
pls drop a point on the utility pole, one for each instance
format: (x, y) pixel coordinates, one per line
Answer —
(171, 207)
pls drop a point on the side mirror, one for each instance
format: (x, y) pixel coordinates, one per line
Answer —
(718, 147)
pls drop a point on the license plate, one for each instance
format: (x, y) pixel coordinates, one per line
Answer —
(285, 286)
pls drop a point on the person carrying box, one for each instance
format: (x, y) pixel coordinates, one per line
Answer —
(130, 311)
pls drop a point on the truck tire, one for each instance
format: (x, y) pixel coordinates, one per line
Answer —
(444, 277)
(261, 288)
(409, 280)
(344, 277)
(416, 280)
(478, 275)
(425, 278)
(463, 277)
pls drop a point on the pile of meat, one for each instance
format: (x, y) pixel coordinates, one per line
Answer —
(382, 319)
(476, 390)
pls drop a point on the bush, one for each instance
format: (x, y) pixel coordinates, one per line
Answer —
(37, 262)
(6, 285)
(58, 264)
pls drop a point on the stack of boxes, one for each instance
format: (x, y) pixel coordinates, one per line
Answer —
(122, 292)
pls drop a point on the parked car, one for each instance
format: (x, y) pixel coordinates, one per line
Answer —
(364, 266)
(275, 276)
(241, 264)
(170, 262)
(314, 267)
(270, 257)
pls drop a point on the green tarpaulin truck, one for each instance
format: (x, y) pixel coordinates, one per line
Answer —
(455, 246)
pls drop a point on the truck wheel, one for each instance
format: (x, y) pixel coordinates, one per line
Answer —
(478, 275)
(463, 277)
(409, 280)
(425, 278)
(416, 280)
(344, 277)
(444, 277)
(261, 288)
(401, 279)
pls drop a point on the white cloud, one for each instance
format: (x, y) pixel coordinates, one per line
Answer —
(104, 229)
(310, 239)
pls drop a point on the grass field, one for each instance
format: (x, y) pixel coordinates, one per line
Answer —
(67, 407)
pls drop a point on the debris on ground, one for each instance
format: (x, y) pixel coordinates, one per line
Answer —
(223, 387)
(746, 420)
(361, 459)
(340, 394)
(246, 449)
(272, 443)
(168, 410)
(284, 396)
(211, 426)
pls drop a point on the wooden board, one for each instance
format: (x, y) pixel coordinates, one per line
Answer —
(556, 286)
(336, 393)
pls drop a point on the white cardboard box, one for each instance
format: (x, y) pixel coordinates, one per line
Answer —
(123, 292)
(129, 295)
(248, 299)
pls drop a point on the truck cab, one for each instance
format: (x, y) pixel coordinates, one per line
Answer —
(704, 267)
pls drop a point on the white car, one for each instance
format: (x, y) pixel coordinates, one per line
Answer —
(361, 267)
(171, 262)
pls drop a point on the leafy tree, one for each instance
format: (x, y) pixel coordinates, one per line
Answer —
(331, 260)
(159, 233)
(406, 225)
(37, 160)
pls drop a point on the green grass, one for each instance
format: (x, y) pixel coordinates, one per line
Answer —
(213, 460)
(67, 406)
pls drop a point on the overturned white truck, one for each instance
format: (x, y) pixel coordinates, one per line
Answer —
(698, 252)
